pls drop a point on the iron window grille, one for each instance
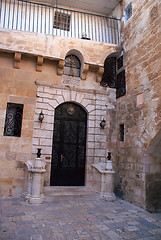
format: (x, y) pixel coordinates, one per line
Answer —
(62, 21)
(109, 75)
(120, 84)
(114, 78)
(13, 121)
(128, 11)
(72, 66)
(120, 62)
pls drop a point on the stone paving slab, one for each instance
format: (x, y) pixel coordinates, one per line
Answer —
(76, 218)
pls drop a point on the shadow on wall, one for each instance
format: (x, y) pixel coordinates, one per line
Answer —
(153, 174)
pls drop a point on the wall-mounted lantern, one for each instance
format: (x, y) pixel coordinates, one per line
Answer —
(109, 156)
(41, 116)
(39, 153)
(103, 124)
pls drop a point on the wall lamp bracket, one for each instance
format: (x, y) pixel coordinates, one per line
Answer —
(41, 116)
(103, 124)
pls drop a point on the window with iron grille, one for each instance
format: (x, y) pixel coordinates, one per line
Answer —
(13, 121)
(120, 84)
(128, 11)
(72, 66)
(62, 21)
(109, 75)
(120, 62)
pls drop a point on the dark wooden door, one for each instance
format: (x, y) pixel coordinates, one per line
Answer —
(69, 146)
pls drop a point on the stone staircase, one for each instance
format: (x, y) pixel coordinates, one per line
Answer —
(54, 192)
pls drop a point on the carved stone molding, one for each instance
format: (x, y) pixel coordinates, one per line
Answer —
(99, 74)
(85, 70)
(39, 63)
(60, 67)
(17, 60)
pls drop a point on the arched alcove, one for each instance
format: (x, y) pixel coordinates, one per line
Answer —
(73, 67)
(153, 174)
(78, 54)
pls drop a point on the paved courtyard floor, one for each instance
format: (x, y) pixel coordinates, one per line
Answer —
(73, 218)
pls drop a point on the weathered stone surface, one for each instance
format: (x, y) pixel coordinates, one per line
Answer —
(140, 36)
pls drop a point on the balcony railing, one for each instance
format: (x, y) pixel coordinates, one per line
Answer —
(39, 18)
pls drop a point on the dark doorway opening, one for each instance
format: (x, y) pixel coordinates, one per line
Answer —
(69, 146)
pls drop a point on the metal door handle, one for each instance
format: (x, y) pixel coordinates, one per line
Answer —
(61, 158)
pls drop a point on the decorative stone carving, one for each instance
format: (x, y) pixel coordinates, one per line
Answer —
(99, 74)
(34, 181)
(17, 60)
(85, 70)
(103, 180)
(39, 63)
(60, 67)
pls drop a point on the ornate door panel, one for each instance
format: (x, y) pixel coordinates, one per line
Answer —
(69, 146)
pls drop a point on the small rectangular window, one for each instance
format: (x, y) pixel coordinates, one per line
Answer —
(128, 11)
(13, 122)
(121, 133)
(62, 21)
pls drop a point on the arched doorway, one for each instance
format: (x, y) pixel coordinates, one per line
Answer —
(69, 146)
(153, 174)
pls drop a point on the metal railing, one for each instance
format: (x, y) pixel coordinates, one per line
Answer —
(40, 18)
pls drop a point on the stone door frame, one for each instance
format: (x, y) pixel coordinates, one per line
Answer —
(95, 102)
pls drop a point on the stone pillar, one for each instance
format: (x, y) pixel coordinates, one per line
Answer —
(103, 180)
(34, 182)
(36, 189)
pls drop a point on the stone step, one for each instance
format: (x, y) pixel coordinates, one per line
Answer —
(53, 192)
(61, 190)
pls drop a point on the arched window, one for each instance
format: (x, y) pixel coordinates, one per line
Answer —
(72, 66)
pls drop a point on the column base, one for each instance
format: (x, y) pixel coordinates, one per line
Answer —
(109, 196)
(36, 200)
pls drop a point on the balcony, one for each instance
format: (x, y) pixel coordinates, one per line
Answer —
(39, 18)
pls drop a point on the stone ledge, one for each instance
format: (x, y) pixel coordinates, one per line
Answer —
(107, 91)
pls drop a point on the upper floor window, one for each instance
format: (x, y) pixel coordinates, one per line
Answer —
(13, 120)
(62, 21)
(114, 75)
(120, 62)
(128, 11)
(120, 84)
(72, 66)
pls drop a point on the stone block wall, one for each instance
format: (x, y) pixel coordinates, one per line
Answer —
(139, 110)
(97, 104)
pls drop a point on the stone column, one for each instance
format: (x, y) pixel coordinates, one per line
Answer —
(36, 189)
(34, 182)
(103, 179)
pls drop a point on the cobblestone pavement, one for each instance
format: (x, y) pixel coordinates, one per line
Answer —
(73, 218)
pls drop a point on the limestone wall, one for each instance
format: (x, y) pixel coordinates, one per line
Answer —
(25, 78)
(55, 47)
(140, 108)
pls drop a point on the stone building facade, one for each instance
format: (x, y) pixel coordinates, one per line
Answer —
(31, 74)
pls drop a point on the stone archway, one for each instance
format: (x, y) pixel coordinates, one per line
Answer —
(153, 174)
